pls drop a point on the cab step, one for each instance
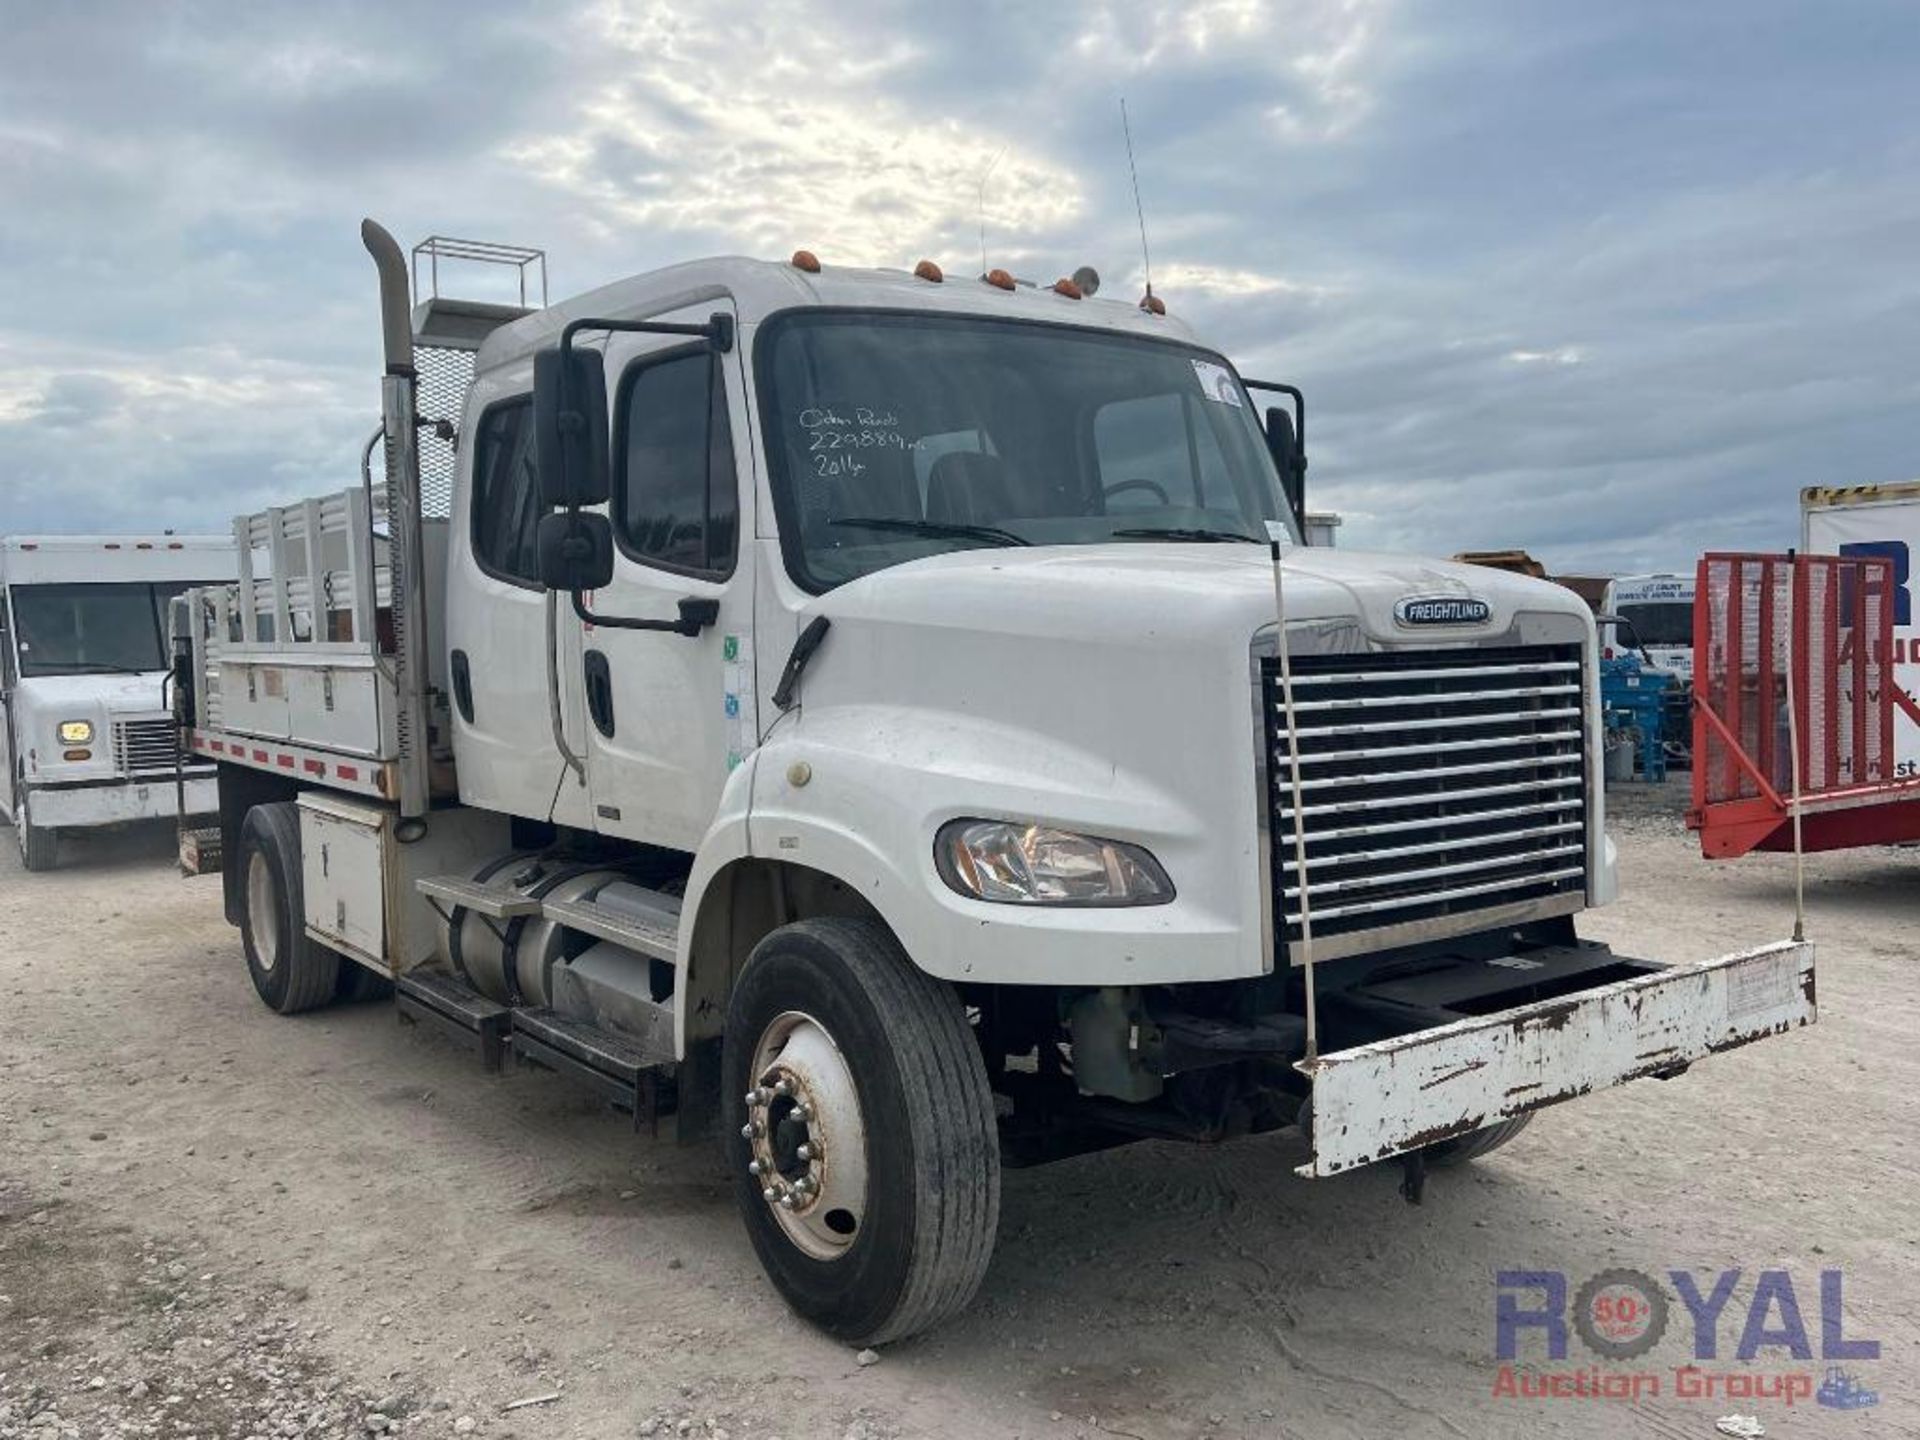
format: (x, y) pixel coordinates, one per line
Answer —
(457, 1008)
(644, 921)
(493, 901)
(609, 1064)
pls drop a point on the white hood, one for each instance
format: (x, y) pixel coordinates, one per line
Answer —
(1176, 593)
(41, 703)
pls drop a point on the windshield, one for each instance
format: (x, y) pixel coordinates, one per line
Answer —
(892, 437)
(1667, 622)
(91, 629)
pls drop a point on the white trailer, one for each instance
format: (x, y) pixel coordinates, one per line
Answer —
(1877, 520)
(886, 721)
(86, 735)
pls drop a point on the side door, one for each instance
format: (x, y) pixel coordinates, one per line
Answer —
(500, 622)
(670, 715)
(6, 709)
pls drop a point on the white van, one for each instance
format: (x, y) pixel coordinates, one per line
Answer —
(86, 738)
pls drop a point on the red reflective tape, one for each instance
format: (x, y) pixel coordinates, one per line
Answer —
(218, 745)
(285, 761)
(348, 772)
(261, 756)
(315, 767)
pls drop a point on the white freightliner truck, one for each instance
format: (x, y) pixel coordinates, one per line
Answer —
(86, 734)
(844, 712)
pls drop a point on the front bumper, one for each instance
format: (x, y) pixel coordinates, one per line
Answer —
(1392, 1096)
(115, 802)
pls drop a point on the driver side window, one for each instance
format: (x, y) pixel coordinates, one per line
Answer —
(1155, 451)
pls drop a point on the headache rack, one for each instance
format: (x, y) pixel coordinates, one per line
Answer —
(1442, 791)
(325, 660)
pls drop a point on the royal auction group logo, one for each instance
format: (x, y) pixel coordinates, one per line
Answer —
(1622, 1315)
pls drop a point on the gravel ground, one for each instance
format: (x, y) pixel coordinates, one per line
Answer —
(215, 1222)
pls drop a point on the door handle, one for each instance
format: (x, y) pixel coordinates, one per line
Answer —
(463, 686)
(600, 692)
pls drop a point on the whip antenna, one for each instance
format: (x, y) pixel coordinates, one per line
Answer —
(1146, 260)
(984, 175)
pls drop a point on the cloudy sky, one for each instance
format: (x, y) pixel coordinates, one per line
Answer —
(1607, 281)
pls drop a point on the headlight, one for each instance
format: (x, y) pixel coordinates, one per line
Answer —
(1017, 864)
(76, 732)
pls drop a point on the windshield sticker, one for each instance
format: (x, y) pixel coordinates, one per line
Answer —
(1217, 383)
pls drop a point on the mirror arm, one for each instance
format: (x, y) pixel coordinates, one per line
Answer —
(1292, 392)
(717, 332)
(695, 616)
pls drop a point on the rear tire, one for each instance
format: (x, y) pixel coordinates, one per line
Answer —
(1474, 1144)
(290, 971)
(878, 1057)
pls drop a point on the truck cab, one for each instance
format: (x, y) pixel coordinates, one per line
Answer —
(891, 722)
(86, 738)
(1659, 612)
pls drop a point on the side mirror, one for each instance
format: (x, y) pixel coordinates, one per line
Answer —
(1289, 458)
(576, 550)
(570, 427)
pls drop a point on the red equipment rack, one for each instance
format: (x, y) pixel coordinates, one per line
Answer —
(1825, 622)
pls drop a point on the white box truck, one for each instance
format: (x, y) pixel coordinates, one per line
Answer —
(1877, 520)
(86, 734)
(1659, 609)
(884, 720)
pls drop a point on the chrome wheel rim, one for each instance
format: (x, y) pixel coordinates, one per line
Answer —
(807, 1136)
(263, 908)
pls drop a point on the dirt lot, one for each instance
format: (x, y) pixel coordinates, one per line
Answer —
(217, 1222)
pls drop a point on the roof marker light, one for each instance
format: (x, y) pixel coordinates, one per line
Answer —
(929, 272)
(999, 279)
(1067, 288)
(806, 260)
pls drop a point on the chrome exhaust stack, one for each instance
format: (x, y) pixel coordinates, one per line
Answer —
(406, 562)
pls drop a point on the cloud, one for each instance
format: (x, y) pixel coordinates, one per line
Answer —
(1586, 281)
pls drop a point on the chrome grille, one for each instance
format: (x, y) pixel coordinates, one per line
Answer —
(143, 746)
(1434, 784)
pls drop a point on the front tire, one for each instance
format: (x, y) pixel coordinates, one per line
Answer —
(1475, 1143)
(39, 846)
(290, 971)
(868, 1172)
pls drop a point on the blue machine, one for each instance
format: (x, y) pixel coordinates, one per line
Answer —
(1633, 695)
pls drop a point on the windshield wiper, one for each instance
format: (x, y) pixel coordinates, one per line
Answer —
(31, 668)
(1147, 532)
(938, 528)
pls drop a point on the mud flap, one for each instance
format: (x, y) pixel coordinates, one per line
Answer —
(1392, 1096)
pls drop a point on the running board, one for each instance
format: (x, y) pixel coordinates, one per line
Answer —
(459, 1009)
(654, 933)
(644, 921)
(489, 900)
(608, 1064)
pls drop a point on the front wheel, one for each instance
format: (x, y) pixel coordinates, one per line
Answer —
(863, 1145)
(1475, 1143)
(39, 846)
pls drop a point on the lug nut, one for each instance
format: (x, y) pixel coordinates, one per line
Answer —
(753, 1098)
(786, 1202)
(805, 1152)
(782, 1087)
(769, 1195)
(803, 1111)
(747, 1131)
(753, 1167)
